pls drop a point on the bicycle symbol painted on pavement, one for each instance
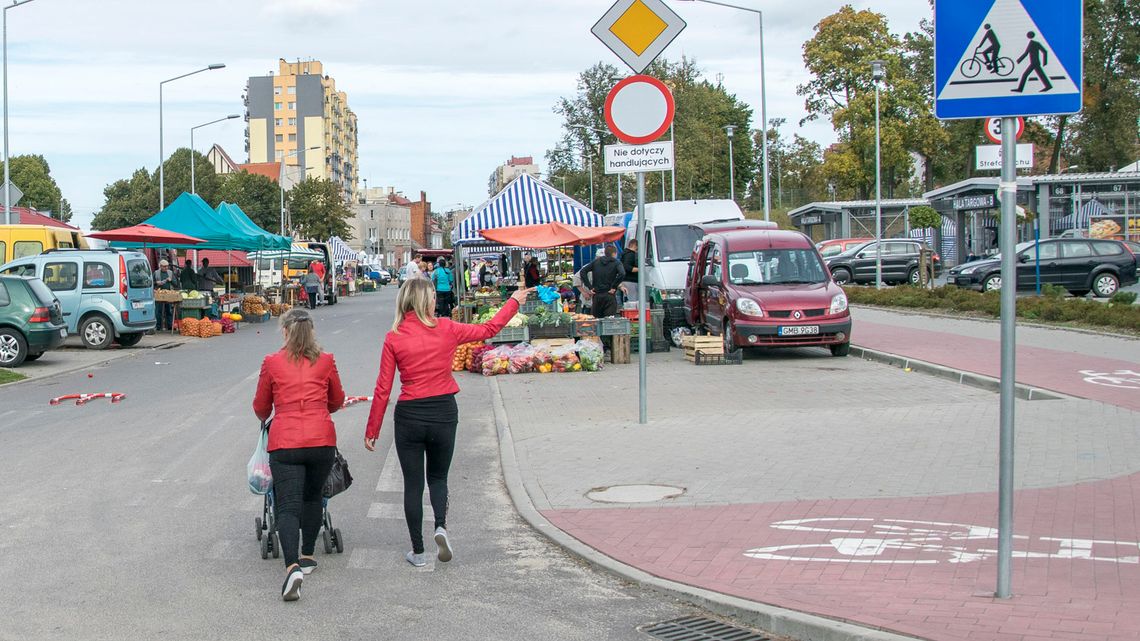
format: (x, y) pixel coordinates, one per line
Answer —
(910, 542)
(1120, 379)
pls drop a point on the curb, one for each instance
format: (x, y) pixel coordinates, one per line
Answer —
(791, 623)
(981, 381)
(117, 355)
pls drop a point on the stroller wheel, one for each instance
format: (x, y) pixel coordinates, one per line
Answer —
(327, 540)
(265, 548)
(276, 546)
(257, 522)
(339, 540)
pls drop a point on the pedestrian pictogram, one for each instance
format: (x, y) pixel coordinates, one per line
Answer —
(1007, 58)
(638, 30)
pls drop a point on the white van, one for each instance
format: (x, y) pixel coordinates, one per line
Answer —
(670, 239)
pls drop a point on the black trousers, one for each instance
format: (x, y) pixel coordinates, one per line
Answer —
(605, 305)
(163, 316)
(444, 303)
(425, 432)
(299, 475)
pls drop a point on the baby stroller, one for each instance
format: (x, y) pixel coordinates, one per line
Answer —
(266, 524)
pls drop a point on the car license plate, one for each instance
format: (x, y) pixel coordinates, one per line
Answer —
(63, 332)
(799, 330)
(137, 305)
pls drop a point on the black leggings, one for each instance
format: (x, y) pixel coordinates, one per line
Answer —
(425, 428)
(299, 476)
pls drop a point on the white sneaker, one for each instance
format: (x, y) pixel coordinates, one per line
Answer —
(418, 560)
(444, 544)
(291, 589)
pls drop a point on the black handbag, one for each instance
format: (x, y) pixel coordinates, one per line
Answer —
(340, 479)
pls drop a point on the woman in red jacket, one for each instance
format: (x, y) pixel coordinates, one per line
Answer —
(300, 386)
(421, 346)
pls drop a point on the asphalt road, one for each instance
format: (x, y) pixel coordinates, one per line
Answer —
(134, 520)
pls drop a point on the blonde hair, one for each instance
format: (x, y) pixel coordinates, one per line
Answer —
(300, 335)
(418, 295)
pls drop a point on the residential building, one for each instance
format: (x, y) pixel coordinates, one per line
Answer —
(421, 221)
(224, 164)
(299, 119)
(382, 226)
(508, 171)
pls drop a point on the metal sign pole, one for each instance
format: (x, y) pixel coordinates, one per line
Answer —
(1008, 240)
(643, 414)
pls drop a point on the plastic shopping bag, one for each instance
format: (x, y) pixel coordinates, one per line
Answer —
(260, 478)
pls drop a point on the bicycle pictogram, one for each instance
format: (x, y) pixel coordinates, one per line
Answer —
(1120, 379)
(913, 542)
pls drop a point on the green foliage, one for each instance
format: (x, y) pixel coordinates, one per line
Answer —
(130, 201)
(924, 217)
(176, 176)
(32, 175)
(1048, 309)
(258, 196)
(8, 376)
(1049, 290)
(318, 211)
(1123, 298)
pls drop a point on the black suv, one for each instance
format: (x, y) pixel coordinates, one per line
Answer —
(900, 263)
(1078, 265)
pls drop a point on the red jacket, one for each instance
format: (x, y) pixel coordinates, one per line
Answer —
(301, 396)
(423, 355)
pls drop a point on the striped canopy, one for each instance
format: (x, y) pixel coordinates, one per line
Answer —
(341, 252)
(525, 201)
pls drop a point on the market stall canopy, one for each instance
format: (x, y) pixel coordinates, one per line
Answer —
(234, 214)
(525, 201)
(341, 252)
(220, 258)
(553, 234)
(190, 215)
(146, 235)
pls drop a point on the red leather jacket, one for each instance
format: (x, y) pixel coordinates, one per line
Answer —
(423, 356)
(301, 396)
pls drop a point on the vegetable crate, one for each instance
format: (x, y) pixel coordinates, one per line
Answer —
(551, 331)
(736, 358)
(586, 328)
(614, 326)
(195, 303)
(257, 318)
(512, 335)
(167, 296)
(702, 345)
(653, 346)
(532, 306)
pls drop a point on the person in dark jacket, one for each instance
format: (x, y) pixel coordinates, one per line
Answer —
(188, 278)
(604, 277)
(531, 276)
(629, 263)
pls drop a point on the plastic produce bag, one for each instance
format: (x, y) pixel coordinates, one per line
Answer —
(476, 361)
(566, 359)
(521, 359)
(547, 295)
(260, 477)
(590, 354)
(497, 361)
(678, 335)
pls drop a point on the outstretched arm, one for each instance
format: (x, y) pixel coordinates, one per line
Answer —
(380, 395)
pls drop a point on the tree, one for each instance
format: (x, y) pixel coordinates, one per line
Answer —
(176, 177)
(128, 201)
(32, 175)
(925, 217)
(258, 196)
(318, 211)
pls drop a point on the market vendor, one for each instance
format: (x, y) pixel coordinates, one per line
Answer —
(164, 312)
(531, 276)
(208, 278)
(188, 279)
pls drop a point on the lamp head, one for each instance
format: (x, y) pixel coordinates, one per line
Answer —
(878, 70)
(232, 116)
(729, 129)
(216, 65)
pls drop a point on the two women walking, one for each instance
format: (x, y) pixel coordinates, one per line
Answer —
(300, 386)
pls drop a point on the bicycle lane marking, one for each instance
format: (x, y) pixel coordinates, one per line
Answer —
(1058, 371)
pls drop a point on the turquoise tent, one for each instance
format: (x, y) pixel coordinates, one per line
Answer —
(235, 215)
(190, 215)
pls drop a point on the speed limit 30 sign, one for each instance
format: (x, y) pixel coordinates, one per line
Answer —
(993, 129)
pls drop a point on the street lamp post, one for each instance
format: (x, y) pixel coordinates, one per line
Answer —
(161, 153)
(193, 188)
(7, 172)
(877, 72)
(728, 129)
(763, 96)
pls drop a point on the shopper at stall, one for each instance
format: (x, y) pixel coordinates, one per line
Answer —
(629, 264)
(486, 275)
(604, 278)
(318, 267)
(531, 276)
(312, 284)
(300, 387)
(421, 347)
(443, 279)
(188, 278)
(164, 312)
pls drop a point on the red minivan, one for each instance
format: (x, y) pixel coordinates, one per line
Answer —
(766, 288)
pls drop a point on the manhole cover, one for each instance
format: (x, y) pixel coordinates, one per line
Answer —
(634, 493)
(700, 629)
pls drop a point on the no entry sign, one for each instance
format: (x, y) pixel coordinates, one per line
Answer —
(639, 109)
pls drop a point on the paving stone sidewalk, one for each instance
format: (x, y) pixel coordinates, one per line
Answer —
(847, 489)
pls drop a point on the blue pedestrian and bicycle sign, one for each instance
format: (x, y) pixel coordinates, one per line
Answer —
(995, 58)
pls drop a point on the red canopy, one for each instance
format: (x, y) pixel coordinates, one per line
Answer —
(147, 235)
(553, 234)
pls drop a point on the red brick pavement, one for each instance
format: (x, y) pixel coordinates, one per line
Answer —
(910, 565)
(1048, 369)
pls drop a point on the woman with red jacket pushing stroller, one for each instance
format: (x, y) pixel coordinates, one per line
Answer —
(300, 387)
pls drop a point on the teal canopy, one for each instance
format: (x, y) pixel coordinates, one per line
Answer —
(190, 215)
(234, 214)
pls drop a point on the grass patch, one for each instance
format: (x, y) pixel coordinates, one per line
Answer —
(8, 376)
(1048, 308)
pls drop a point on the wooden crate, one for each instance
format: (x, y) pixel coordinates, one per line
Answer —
(551, 343)
(619, 354)
(702, 344)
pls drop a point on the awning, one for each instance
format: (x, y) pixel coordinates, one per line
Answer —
(234, 214)
(525, 201)
(554, 234)
(341, 252)
(190, 215)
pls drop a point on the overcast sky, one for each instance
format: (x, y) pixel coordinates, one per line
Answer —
(445, 90)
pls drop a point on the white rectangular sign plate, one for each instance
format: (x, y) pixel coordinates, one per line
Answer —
(989, 157)
(626, 159)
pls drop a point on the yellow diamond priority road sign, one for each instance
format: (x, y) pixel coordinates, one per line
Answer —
(638, 30)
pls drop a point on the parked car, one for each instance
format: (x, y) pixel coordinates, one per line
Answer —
(380, 275)
(106, 295)
(899, 257)
(31, 321)
(18, 241)
(829, 248)
(766, 288)
(1078, 265)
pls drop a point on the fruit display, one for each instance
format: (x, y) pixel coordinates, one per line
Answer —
(497, 361)
(462, 359)
(189, 326)
(253, 305)
(276, 309)
(204, 328)
(566, 359)
(590, 354)
(475, 361)
(520, 320)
